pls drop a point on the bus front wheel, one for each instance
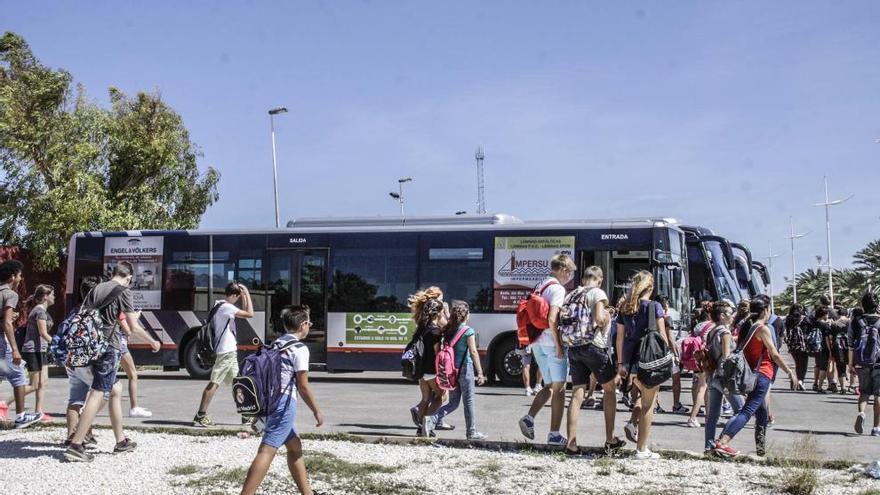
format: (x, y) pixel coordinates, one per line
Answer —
(507, 363)
(192, 362)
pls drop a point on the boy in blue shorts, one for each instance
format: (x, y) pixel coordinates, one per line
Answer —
(280, 424)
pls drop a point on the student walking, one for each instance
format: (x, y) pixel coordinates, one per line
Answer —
(796, 327)
(280, 425)
(466, 354)
(79, 380)
(634, 323)
(757, 346)
(126, 360)
(586, 327)
(11, 362)
(222, 323)
(864, 360)
(694, 341)
(114, 297)
(35, 344)
(719, 344)
(550, 355)
(431, 316)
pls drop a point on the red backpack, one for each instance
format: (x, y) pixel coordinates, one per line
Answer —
(447, 371)
(531, 315)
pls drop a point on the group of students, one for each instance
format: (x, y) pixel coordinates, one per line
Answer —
(844, 344)
(610, 354)
(94, 385)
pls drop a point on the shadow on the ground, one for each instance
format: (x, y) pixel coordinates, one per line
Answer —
(165, 422)
(377, 427)
(19, 449)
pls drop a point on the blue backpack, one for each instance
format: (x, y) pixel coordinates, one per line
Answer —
(867, 348)
(58, 344)
(257, 389)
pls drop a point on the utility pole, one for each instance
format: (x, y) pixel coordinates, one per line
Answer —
(481, 185)
(792, 236)
(399, 194)
(828, 203)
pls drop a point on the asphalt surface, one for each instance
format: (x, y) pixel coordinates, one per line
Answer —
(378, 404)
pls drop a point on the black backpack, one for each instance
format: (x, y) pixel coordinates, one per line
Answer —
(413, 355)
(655, 359)
(206, 341)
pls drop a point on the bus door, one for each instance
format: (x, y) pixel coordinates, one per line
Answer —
(299, 276)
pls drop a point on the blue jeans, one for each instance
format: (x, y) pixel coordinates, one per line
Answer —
(713, 410)
(467, 388)
(755, 406)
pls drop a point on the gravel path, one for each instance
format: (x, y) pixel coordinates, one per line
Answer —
(181, 464)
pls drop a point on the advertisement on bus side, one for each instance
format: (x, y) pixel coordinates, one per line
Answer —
(378, 328)
(145, 255)
(521, 263)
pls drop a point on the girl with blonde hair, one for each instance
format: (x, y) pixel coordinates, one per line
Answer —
(430, 315)
(633, 323)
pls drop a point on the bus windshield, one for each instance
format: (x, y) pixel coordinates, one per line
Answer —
(724, 282)
(758, 282)
(664, 274)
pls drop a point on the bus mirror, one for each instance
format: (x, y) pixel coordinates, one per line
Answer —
(676, 277)
(662, 257)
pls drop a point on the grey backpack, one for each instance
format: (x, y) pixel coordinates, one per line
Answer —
(737, 377)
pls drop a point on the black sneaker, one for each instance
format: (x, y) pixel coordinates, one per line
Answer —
(77, 453)
(90, 441)
(124, 446)
(614, 445)
(761, 440)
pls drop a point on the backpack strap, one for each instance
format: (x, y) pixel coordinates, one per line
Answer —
(652, 317)
(457, 337)
(213, 312)
(544, 287)
(111, 298)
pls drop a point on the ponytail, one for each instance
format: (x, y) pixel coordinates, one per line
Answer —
(459, 312)
(38, 297)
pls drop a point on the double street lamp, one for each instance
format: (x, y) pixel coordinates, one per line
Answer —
(828, 203)
(399, 194)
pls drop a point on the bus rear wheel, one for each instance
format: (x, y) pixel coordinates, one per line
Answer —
(507, 363)
(193, 364)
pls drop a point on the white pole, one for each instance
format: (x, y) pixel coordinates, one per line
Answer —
(828, 203)
(792, 236)
(770, 257)
(274, 171)
(400, 196)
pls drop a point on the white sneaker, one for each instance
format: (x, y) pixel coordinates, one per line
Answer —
(140, 412)
(646, 455)
(632, 432)
(693, 423)
(529, 392)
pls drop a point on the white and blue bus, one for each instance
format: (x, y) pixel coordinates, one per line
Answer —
(356, 275)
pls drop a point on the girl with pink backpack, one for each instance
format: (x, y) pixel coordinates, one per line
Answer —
(455, 364)
(690, 346)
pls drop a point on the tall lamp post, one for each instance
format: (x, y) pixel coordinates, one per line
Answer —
(769, 259)
(399, 194)
(828, 203)
(272, 113)
(792, 236)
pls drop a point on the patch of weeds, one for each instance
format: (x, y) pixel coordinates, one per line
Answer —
(622, 468)
(870, 491)
(715, 471)
(490, 471)
(372, 486)
(340, 436)
(222, 477)
(185, 470)
(603, 466)
(331, 465)
(800, 476)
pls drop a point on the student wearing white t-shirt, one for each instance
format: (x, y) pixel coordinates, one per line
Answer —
(226, 345)
(550, 354)
(280, 429)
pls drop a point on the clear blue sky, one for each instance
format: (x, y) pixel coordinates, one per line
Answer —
(725, 114)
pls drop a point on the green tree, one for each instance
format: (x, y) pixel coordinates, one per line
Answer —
(70, 165)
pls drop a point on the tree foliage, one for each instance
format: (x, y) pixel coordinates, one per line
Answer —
(70, 165)
(849, 284)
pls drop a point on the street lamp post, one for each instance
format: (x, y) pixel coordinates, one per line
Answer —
(399, 194)
(792, 237)
(828, 204)
(769, 259)
(272, 113)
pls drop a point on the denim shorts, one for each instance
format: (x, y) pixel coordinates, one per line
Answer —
(104, 371)
(279, 425)
(80, 380)
(554, 369)
(14, 374)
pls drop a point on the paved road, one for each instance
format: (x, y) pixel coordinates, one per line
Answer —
(377, 404)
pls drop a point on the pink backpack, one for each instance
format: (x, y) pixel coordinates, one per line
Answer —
(447, 371)
(689, 347)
